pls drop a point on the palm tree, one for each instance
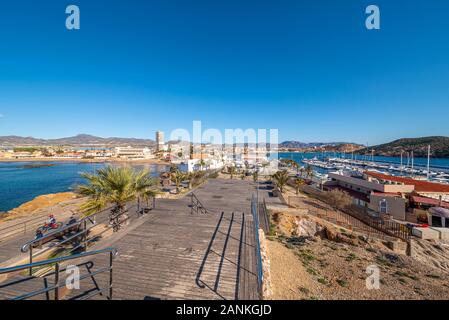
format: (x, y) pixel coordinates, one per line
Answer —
(173, 169)
(308, 170)
(201, 164)
(280, 179)
(301, 171)
(255, 176)
(144, 186)
(295, 165)
(232, 171)
(298, 184)
(117, 186)
(178, 177)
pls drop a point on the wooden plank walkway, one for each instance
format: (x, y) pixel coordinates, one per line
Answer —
(177, 255)
(173, 254)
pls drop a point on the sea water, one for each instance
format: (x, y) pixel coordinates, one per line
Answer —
(23, 181)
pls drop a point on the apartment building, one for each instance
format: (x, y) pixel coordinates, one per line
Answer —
(386, 194)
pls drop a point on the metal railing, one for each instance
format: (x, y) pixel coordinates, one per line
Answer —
(196, 206)
(56, 264)
(387, 227)
(78, 232)
(264, 219)
(20, 228)
(255, 214)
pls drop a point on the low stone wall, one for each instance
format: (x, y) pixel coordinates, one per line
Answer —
(267, 289)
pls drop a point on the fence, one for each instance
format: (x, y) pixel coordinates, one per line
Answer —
(78, 235)
(255, 214)
(196, 206)
(264, 219)
(361, 219)
(56, 264)
(20, 228)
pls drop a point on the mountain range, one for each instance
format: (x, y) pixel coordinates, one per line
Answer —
(298, 144)
(78, 140)
(439, 145)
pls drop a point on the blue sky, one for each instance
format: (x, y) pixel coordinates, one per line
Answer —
(309, 68)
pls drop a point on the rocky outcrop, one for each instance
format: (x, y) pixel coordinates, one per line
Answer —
(307, 228)
(38, 204)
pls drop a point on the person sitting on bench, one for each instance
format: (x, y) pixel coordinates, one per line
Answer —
(39, 234)
(51, 221)
(72, 220)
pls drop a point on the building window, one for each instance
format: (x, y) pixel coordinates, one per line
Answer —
(383, 208)
(437, 222)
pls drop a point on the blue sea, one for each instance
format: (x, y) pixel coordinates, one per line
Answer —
(436, 164)
(20, 183)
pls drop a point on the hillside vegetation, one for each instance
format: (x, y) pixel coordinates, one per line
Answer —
(439, 147)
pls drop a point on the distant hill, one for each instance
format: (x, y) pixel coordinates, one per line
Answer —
(298, 144)
(79, 140)
(439, 147)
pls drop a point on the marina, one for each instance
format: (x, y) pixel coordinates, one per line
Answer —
(419, 169)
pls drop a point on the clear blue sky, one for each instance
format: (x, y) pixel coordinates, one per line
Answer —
(309, 68)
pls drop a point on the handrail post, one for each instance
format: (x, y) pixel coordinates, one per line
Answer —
(57, 281)
(111, 257)
(85, 235)
(31, 259)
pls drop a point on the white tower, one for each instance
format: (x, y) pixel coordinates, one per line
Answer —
(159, 140)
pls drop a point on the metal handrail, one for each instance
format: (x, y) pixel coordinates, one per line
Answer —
(255, 214)
(51, 234)
(20, 227)
(196, 204)
(57, 270)
(54, 260)
(83, 233)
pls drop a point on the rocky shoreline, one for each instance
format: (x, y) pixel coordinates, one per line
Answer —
(40, 205)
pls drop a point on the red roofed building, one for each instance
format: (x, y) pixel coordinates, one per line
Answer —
(388, 194)
(423, 188)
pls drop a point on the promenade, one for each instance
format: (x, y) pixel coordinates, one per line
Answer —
(171, 253)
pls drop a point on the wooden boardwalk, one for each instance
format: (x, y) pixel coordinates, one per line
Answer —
(173, 254)
(176, 255)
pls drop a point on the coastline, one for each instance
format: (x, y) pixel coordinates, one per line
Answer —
(41, 205)
(145, 161)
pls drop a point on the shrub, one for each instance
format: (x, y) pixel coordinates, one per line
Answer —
(338, 199)
(213, 175)
(342, 283)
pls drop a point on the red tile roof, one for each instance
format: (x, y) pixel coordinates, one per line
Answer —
(420, 186)
(429, 201)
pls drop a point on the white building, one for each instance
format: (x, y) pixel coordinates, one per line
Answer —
(192, 165)
(159, 141)
(133, 153)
